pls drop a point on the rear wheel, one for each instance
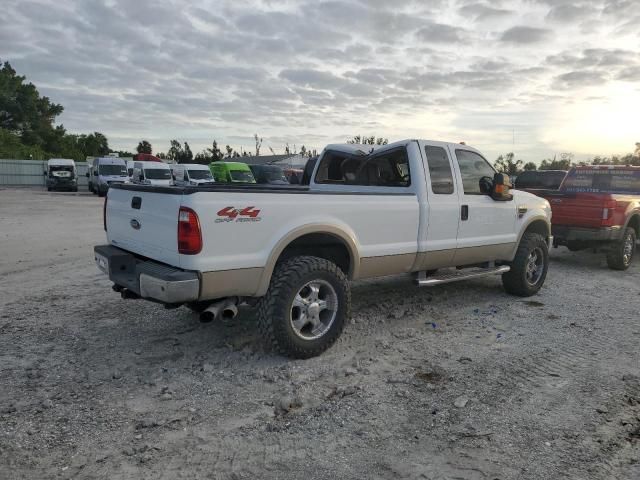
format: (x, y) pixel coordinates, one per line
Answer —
(529, 267)
(306, 307)
(621, 254)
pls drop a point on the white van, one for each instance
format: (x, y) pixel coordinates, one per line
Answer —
(106, 171)
(191, 174)
(151, 173)
(61, 174)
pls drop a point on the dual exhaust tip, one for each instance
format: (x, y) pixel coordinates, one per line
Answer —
(226, 309)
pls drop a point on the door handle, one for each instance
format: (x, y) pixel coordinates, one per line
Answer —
(464, 212)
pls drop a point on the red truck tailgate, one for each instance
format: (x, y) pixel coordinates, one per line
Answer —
(578, 209)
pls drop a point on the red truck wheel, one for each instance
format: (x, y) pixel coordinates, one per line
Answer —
(621, 254)
(306, 307)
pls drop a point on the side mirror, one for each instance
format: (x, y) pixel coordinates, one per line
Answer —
(486, 185)
(501, 188)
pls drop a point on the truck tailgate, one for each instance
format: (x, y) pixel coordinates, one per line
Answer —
(577, 209)
(145, 223)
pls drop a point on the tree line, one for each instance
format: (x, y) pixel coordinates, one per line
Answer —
(507, 163)
(27, 130)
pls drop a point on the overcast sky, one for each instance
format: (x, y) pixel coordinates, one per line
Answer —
(556, 75)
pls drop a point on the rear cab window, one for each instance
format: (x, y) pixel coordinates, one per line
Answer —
(602, 180)
(389, 168)
(439, 170)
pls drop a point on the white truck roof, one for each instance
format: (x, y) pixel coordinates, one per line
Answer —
(109, 161)
(148, 164)
(189, 166)
(352, 148)
(61, 162)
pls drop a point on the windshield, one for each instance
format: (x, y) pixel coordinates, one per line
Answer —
(603, 181)
(549, 180)
(119, 170)
(242, 176)
(273, 174)
(200, 175)
(157, 174)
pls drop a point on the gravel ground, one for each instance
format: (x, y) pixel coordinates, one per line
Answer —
(455, 382)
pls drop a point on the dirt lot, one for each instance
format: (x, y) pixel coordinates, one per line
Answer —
(455, 382)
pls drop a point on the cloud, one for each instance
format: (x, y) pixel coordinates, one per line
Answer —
(481, 11)
(317, 71)
(525, 35)
(440, 33)
(583, 78)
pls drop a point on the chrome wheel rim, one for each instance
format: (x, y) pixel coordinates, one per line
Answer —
(313, 310)
(534, 266)
(627, 251)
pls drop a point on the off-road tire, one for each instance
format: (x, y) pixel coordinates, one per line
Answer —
(515, 281)
(274, 309)
(615, 257)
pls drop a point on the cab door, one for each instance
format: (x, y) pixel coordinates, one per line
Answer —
(439, 230)
(487, 228)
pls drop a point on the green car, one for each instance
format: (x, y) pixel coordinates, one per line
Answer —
(231, 172)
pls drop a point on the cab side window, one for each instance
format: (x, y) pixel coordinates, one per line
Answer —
(439, 170)
(472, 168)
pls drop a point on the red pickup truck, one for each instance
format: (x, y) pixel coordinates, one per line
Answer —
(598, 207)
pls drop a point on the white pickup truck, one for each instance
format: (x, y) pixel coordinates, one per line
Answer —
(413, 206)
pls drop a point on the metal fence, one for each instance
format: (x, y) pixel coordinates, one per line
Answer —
(30, 173)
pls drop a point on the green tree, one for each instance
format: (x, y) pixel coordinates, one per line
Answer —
(258, 143)
(175, 151)
(187, 155)
(507, 164)
(530, 166)
(229, 151)
(564, 163)
(24, 112)
(372, 140)
(144, 147)
(215, 152)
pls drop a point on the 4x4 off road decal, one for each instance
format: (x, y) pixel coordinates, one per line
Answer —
(233, 214)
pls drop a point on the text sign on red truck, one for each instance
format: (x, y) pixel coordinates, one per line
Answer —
(602, 181)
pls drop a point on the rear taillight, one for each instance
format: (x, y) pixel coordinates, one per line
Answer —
(189, 234)
(608, 211)
(104, 213)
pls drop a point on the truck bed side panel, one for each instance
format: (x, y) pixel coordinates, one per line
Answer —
(240, 229)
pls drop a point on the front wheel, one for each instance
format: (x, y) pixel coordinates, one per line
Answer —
(306, 307)
(621, 254)
(529, 267)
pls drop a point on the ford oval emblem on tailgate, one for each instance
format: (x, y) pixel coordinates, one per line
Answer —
(135, 224)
